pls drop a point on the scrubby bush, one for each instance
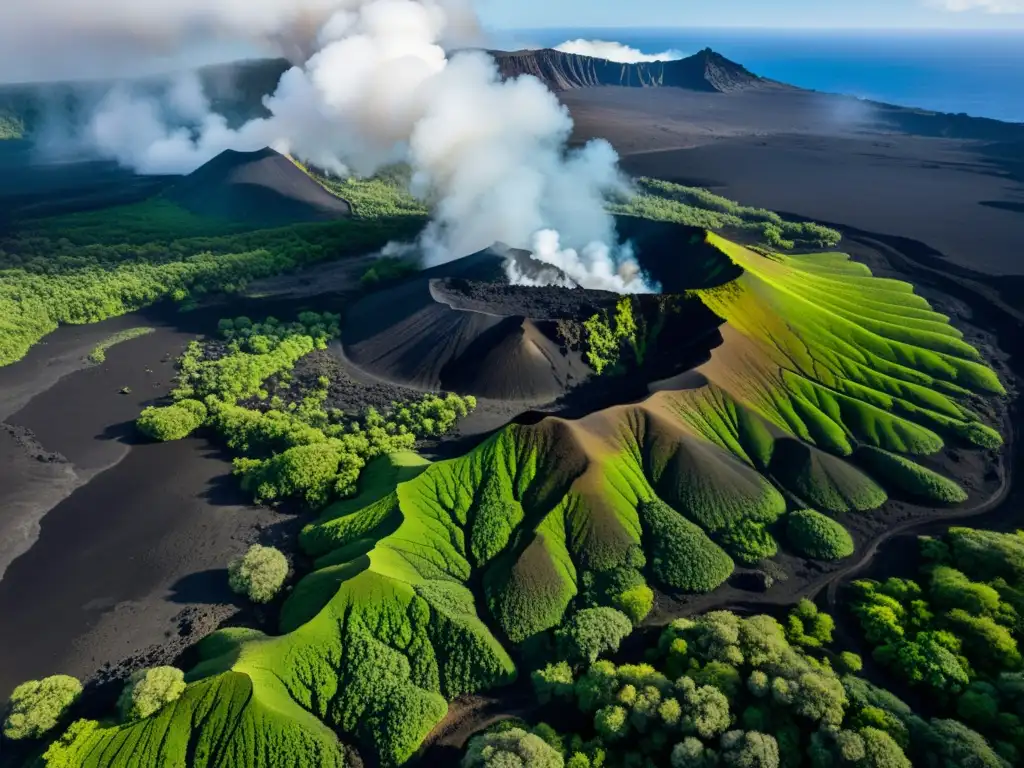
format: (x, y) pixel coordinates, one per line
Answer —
(636, 602)
(591, 632)
(172, 422)
(514, 748)
(814, 535)
(259, 573)
(749, 749)
(683, 557)
(748, 541)
(148, 690)
(808, 627)
(36, 706)
(898, 472)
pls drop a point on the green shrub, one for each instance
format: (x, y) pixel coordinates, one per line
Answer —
(636, 602)
(748, 541)
(259, 573)
(172, 422)
(813, 535)
(37, 706)
(683, 557)
(910, 477)
(555, 681)
(511, 749)
(591, 632)
(148, 690)
(807, 627)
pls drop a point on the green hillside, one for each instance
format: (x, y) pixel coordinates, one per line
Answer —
(432, 580)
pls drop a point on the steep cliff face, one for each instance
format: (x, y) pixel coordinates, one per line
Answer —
(704, 71)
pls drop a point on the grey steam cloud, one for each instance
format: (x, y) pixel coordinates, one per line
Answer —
(373, 84)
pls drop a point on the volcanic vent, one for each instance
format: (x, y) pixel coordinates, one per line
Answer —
(462, 327)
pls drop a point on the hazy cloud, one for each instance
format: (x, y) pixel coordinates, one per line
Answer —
(612, 51)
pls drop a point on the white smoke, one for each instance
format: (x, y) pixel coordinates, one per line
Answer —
(612, 51)
(596, 266)
(489, 156)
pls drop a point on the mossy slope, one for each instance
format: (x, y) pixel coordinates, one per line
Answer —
(426, 578)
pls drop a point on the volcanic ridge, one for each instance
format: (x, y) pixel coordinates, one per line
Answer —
(262, 188)
(704, 71)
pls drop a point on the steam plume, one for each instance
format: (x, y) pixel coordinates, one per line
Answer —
(612, 51)
(489, 156)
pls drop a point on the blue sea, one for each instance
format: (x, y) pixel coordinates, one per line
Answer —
(979, 73)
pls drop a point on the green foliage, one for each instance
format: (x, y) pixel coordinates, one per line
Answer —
(741, 679)
(514, 748)
(387, 269)
(171, 422)
(37, 706)
(99, 352)
(636, 602)
(749, 749)
(555, 681)
(900, 473)
(665, 201)
(957, 638)
(808, 627)
(748, 541)
(591, 632)
(813, 535)
(259, 573)
(682, 555)
(607, 337)
(148, 690)
(86, 267)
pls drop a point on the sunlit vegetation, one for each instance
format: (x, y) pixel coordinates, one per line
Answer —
(301, 449)
(99, 352)
(37, 706)
(954, 633)
(728, 691)
(259, 574)
(147, 690)
(83, 268)
(541, 548)
(665, 201)
(814, 535)
(172, 422)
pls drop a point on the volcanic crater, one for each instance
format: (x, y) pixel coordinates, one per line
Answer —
(462, 327)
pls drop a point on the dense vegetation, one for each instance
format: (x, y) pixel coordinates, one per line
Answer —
(295, 448)
(85, 267)
(665, 201)
(721, 690)
(541, 547)
(99, 352)
(955, 632)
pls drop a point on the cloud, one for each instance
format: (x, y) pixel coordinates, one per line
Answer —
(612, 51)
(985, 6)
(72, 39)
(489, 156)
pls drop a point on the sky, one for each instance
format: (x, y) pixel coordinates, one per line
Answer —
(787, 14)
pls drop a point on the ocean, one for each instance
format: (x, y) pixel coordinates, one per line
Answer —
(977, 73)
